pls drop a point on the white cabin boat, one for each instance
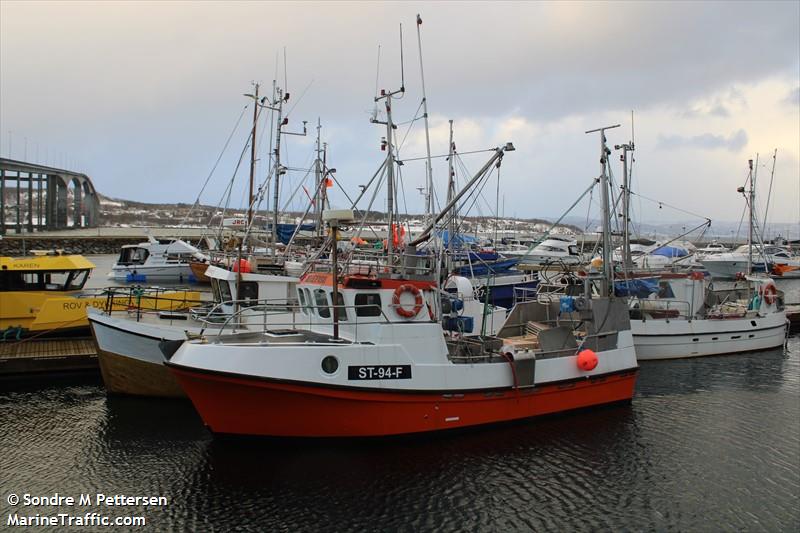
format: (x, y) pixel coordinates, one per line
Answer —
(554, 249)
(157, 260)
(688, 319)
(732, 264)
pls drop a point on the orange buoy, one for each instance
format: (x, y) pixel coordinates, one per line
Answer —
(243, 265)
(587, 360)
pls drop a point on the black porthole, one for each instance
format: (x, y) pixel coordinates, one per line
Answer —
(330, 364)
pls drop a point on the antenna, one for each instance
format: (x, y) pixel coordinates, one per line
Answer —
(769, 194)
(428, 167)
(377, 70)
(402, 70)
(285, 76)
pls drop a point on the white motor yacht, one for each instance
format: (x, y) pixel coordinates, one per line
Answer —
(762, 259)
(554, 249)
(157, 260)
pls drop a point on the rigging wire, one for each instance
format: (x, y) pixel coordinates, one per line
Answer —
(214, 167)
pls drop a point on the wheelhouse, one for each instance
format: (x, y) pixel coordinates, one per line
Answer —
(133, 254)
(44, 273)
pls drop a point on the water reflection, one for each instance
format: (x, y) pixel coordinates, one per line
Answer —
(710, 443)
(751, 371)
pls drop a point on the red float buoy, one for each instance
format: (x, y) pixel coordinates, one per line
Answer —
(243, 265)
(587, 360)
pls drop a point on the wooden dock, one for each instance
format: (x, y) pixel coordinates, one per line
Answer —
(31, 356)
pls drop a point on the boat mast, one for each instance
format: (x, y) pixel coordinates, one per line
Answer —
(279, 169)
(451, 191)
(428, 167)
(608, 267)
(626, 205)
(387, 145)
(326, 172)
(252, 158)
(390, 181)
(317, 179)
(752, 196)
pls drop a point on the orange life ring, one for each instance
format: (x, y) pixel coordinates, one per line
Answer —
(769, 293)
(402, 311)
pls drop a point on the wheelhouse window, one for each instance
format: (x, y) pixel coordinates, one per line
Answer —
(133, 256)
(77, 280)
(665, 290)
(248, 292)
(179, 257)
(341, 310)
(368, 304)
(215, 290)
(321, 300)
(302, 296)
(47, 280)
(224, 291)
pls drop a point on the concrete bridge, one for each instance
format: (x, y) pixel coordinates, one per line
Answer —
(40, 198)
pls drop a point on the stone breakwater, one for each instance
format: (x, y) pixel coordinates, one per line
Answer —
(17, 246)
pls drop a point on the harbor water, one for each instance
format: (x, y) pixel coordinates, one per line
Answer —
(710, 444)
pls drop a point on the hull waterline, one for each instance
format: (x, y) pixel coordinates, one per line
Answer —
(243, 405)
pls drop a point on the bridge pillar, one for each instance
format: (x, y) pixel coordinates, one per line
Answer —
(91, 205)
(61, 203)
(50, 203)
(77, 204)
(30, 203)
(39, 198)
(18, 225)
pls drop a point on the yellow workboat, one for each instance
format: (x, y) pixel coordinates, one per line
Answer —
(44, 293)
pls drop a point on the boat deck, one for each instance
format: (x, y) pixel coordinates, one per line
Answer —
(47, 355)
(280, 336)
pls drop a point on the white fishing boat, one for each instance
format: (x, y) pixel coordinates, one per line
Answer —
(391, 369)
(128, 342)
(157, 260)
(688, 318)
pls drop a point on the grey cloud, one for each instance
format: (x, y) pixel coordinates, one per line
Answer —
(707, 141)
(167, 102)
(719, 110)
(793, 98)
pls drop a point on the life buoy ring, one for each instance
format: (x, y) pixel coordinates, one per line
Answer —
(402, 311)
(770, 293)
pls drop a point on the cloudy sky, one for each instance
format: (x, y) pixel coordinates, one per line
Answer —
(142, 96)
